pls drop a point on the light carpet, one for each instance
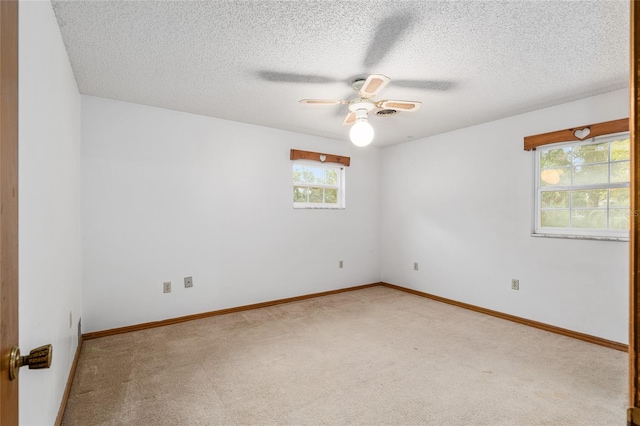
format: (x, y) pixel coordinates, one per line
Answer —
(376, 356)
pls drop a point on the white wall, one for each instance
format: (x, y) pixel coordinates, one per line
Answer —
(167, 194)
(49, 209)
(461, 205)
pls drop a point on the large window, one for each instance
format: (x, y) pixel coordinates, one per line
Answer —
(582, 188)
(318, 185)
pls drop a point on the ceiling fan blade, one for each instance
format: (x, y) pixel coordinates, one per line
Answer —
(288, 77)
(409, 106)
(373, 84)
(322, 102)
(425, 84)
(350, 119)
(388, 32)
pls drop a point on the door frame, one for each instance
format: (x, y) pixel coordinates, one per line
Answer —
(9, 409)
(633, 413)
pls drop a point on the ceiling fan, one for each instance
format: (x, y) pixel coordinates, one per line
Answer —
(389, 31)
(362, 133)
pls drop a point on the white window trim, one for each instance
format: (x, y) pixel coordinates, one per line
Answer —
(573, 233)
(341, 187)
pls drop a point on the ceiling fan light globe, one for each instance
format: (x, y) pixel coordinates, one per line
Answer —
(361, 133)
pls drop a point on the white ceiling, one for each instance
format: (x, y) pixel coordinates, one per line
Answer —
(252, 61)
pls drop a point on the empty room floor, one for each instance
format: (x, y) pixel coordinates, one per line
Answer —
(370, 356)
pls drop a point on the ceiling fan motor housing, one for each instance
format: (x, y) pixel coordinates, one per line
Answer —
(364, 105)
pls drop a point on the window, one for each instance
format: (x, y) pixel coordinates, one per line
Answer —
(318, 186)
(582, 188)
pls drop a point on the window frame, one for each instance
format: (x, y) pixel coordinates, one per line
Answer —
(341, 186)
(578, 233)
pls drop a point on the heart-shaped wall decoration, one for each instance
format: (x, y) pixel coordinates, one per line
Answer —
(582, 133)
(323, 158)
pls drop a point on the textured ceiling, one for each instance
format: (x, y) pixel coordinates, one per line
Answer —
(468, 62)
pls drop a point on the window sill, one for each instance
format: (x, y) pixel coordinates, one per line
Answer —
(581, 237)
(318, 208)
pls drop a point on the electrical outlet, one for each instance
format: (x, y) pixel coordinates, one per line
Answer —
(515, 284)
(188, 282)
(166, 287)
(415, 266)
(340, 264)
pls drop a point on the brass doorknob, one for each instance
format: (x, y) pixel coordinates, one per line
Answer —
(37, 358)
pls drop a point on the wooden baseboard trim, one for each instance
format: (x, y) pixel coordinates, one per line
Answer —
(67, 389)
(542, 326)
(535, 324)
(144, 326)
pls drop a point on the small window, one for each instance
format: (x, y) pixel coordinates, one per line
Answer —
(318, 186)
(582, 188)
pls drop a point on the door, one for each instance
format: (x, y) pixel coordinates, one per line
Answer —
(8, 206)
